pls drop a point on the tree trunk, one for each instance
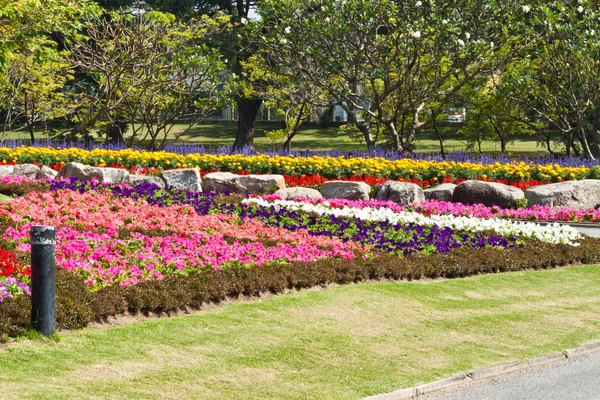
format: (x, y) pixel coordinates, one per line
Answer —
(247, 112)
(116, 130)
(395, 137)
(585, 145)
(437, 133)
(31, 129)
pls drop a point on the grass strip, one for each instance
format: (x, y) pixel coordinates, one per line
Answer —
(342, 343)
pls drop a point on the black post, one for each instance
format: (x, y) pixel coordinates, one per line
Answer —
(43, 307)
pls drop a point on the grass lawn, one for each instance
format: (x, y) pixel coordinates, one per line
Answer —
(334, 138)
(4, 198)
(331, 139)
(341, 343)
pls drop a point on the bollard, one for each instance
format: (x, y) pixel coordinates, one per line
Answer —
(43, 276)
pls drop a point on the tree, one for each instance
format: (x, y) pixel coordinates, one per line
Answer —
(558, 76)
(385, 62)
(493, 115)
(151, 70)
(32, 91)
(295, 101)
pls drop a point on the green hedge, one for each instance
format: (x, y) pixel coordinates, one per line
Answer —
(76, 306)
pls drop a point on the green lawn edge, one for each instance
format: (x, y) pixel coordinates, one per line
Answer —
(344, 342)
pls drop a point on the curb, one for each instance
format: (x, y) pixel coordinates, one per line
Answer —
(489, 373)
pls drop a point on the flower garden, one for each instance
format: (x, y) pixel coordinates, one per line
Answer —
(148, 249)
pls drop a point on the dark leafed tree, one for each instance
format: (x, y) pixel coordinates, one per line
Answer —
(235, 47)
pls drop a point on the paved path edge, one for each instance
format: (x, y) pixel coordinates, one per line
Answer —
(489, 373)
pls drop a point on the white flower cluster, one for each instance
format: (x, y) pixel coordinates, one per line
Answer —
(551, 233)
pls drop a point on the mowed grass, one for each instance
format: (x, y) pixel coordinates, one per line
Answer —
(344, 342)
(337, 139)
(332, 138)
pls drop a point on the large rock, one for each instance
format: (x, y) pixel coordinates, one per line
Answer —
(260, 184)
(6, 170)
(46, 173)
(183, 179)
(220, 182)
(114, 175)
(583, 195)
(401, 192)
(86, 173)
(244, 184)
(81, 172)
(442, 192)
(26, 170)
(299, 192)
(487, 193)
(134, 180)
(345, 190)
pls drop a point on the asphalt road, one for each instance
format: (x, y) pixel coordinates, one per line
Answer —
(574, 380)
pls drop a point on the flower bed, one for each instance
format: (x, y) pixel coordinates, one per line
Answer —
(149, 249)
(311, 171)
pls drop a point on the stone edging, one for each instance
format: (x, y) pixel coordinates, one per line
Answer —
(489, 373)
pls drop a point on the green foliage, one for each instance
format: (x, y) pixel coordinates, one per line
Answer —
(385, 62)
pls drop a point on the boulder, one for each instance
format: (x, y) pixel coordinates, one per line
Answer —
(134, 180)
(81, 172)
(583, 195)
(402, 193)
(244, 184)
(183, 179)
(86, 173)
(487, 193)
(6, 170)
(259, 184)
(442, 192)
(46, 173)
(220, 182)
(345, 190)
(26, 170)
(113, 175)
(299, 193)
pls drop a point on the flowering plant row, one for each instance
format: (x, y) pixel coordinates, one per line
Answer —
(434, 207)
(373, 170)
(553, 233)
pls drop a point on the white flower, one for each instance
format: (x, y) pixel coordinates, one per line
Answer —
(461, 42)
(327, 19)
(492, 45)
(580, 9)
(419, 3)
(526, 9)
(468, 35)
(416, 34)
(444, 21)
(243, 20)
(283, 41)
(287, 29)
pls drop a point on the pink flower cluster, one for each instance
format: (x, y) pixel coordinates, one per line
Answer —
(89, 241)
